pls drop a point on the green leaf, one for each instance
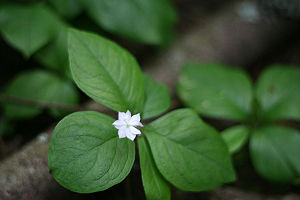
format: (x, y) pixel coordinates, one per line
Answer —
(277, 91)
(275, 153)
(106, 72)
(55, 55)
(40, 86)
(235, 137)
(147, 21)
(27, 28)
(86, 155)
(66, 93)
(7, 128)
(216, 91)
(154, 184)
(188, 153)
(157, 98)
(66, 8)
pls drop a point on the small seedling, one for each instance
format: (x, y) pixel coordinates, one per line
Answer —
(91, 152)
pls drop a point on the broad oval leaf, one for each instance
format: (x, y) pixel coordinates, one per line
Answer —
(217, 91)
(86, 155)
(277, 91)
(235, 137)
(275, 153)
(66, 8)
(37, 86)
(147, 21)
(106, 72)
(157, 98)
(155, 186)
(188, 153)
(27, 28)
(55, 55)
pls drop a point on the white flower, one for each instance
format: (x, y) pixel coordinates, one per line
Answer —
(126, 125)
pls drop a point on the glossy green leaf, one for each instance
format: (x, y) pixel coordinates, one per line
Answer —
(86, 155)
(217, 91)
(235, 137)
(106, 72)
(275, 153)
(27, 28)
(157, 98)
(55, 55)
(155, 186)
(66, 8)
(189, 154)
(277, 91)
(41, 86)
(148, 21)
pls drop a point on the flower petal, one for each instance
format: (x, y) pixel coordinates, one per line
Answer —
(119, 123)
(122, 133)
(129, 135)
(128, 115)
(135, 119)
(134, 130)
(140, 124)
(121, 115)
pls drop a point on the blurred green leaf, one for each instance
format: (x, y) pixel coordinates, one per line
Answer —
(27, 28)
(106, 72)
(297, 182)
(66, 8)
(155, 186)
(275, 153)
(86, 155)
(217, 91)
(147, 21)
(235, 137)
(157, 98)
(65, 93)
(40, 86)
(277, 91)
(6, 127)
(188, 153)
(55, 55)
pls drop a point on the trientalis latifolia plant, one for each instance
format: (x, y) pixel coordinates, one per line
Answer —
(91, 152)
(227, 93)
